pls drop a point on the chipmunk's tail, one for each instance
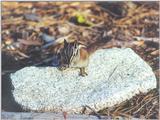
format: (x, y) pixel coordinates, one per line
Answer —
(98, 45)
(61, 40)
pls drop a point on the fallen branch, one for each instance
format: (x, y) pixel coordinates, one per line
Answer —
(156, 40)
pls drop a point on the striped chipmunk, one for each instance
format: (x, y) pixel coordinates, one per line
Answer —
(76, 55)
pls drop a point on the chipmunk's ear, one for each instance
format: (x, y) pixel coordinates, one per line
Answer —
(75, 43)
(65, 42)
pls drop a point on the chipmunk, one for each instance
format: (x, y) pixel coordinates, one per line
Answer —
(76, 55)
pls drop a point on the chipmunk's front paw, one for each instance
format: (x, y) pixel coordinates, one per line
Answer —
(82, 72)
(61, 68)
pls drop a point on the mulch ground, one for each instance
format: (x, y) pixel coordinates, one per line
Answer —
(29, 28)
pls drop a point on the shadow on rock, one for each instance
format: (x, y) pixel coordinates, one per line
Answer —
(8, 102)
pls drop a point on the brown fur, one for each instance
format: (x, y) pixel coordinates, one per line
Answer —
(84, 54)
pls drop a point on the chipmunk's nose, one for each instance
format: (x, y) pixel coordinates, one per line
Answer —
(63, 67)
(66, 65)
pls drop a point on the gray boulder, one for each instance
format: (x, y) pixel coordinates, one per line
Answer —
(114, 75)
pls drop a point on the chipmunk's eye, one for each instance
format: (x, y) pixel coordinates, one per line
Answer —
(75, 45)
(58, 56)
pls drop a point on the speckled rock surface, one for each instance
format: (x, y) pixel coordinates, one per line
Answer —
(114, 75)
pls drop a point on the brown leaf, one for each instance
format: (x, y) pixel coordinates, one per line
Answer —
(139, 43)
(29, 42)
(156, 52)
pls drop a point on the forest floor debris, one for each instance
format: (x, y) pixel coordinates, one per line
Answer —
(88, 22)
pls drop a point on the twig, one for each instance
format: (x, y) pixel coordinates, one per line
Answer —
(93, 111)
(156, 40)
(44, 61)
(144, 105)
(148, 113)
(22, 54)
(145, 98)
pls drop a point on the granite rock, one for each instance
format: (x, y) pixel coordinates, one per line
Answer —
(114, 75)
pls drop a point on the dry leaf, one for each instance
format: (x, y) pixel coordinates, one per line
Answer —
(29, 42)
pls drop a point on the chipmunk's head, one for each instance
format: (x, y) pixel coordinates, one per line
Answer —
(67, 54)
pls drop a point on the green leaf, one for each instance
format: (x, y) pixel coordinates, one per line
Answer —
(81, 19)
